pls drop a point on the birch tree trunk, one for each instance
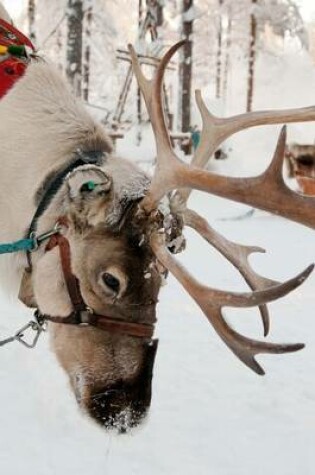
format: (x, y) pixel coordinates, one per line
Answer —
(74, 44)
(218, 75)
(227, 56)
(185, 68)
(87, 48)
(251, 57)
(140, 34)
(160, 15)
(31, 20)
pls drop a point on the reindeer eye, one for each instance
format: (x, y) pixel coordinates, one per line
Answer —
(111, 282)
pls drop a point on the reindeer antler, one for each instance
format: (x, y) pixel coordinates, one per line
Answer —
(172, 174)
(267, 191)
(236, 254)
(216, 129)
(211, 301)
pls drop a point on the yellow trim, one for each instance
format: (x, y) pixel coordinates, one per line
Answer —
(3, 49)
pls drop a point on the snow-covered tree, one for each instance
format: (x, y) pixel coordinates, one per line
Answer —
(114, 23)
(31, 20)
(74, 44)
(284, 18)
(218, 73)
(88, 16)
(185, 65)
(251, 56)
(228, 32)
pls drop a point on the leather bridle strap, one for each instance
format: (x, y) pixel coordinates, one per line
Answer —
(72, 282)
(140, 330)
(82, 315)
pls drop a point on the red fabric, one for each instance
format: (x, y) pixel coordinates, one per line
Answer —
(11, 68)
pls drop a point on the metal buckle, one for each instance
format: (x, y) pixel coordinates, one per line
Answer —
(37, 240)
(38, 326)
(84, 317)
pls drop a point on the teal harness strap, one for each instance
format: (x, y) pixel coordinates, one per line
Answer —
(22, 245)
(33, 242)
(28, 244)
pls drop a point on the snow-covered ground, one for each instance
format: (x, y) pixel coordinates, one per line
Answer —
(209, 414)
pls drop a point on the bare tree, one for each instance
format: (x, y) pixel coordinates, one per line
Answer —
(31, 20)
(88, 15)
(141, 11)
(74, 44)
(185, 67)
(218, 74)
(251, 57)
(227, 61)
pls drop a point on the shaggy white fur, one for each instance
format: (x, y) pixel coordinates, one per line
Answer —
(42, 124)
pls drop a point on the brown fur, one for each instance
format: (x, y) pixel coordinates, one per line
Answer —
(300, 160)
(110, 374)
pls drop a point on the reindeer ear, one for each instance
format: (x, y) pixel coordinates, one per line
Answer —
(26, 294)
(88, 180)
(90, 193)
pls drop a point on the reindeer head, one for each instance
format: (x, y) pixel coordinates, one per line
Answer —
(98, 209)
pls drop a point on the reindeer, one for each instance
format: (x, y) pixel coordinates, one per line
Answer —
(300, 161)
(103, 232)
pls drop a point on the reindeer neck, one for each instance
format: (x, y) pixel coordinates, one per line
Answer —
(41, 126)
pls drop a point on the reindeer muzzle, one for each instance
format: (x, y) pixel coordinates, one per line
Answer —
(124, 405)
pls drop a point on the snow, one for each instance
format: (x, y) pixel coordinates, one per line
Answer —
(209, 414)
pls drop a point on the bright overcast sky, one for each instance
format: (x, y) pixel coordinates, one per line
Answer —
(307, 8)
(15, 7)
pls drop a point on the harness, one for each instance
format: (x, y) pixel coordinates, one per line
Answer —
(81, 315)
(15, 53)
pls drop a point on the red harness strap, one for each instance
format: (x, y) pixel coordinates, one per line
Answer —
(72, 283)
(12, 67)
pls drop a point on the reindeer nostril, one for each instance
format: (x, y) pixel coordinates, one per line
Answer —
(111, 281)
